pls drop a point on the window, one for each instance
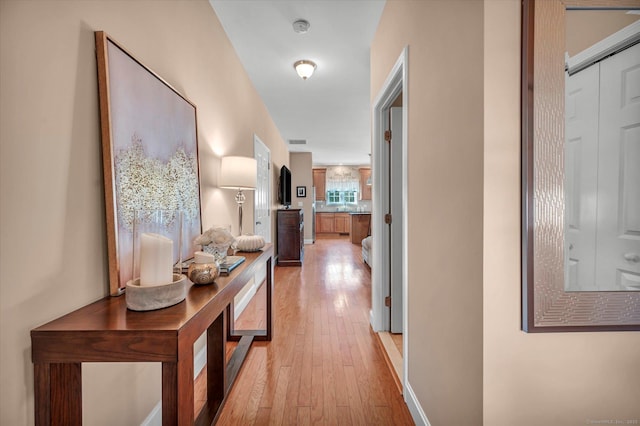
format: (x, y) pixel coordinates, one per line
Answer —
(342, 197)
(343, 184)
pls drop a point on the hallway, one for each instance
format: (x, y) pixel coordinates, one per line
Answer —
(324, 365)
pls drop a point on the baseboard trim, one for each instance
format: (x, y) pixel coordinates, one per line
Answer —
(419, 417)
(386, 345)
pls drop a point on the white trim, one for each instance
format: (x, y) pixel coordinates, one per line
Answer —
(418, 414)
(308, 241)
(614, 43)
(396, 82)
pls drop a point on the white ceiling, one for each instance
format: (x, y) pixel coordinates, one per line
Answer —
(330, 109)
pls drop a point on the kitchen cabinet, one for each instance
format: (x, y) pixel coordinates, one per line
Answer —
(365, 190)
(360, 227)
(290, 237)
(333, 223)
(342, 223)
(325, 223)
(319, 181)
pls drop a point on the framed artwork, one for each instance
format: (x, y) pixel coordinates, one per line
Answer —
(149, 152)
(302, 191)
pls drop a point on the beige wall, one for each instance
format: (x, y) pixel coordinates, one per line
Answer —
(445, 172)
(301, 175)
(53, 247)
(534, 379)
(587, 27)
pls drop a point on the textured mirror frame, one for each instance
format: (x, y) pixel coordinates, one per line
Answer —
(546, 307)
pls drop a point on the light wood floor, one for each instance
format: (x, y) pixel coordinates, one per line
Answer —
(323, 365)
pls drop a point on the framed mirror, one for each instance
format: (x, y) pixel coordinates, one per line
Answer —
(552, 208)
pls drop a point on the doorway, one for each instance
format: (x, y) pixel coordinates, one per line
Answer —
(390, 112)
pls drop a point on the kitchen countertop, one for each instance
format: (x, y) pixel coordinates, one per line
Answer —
(334, 211)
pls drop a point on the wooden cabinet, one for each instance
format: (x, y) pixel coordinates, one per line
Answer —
(360, 227)
(365, 190)
(333, 223)
(325, 223)
(319, 181)
(342, 223)
(290, 223)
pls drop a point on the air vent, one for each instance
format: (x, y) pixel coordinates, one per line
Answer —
(297, 141)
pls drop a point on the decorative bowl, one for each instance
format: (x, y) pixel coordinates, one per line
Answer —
(149, 298)
(249, 243)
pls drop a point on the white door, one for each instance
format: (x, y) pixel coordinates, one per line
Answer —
(396, 215)
(581, 178)
(262, 198)
(262, 202)
(618, 253)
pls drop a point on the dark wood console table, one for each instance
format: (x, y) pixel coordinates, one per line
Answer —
(105, 331)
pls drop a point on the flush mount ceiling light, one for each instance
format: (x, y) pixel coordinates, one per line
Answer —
(304, 68)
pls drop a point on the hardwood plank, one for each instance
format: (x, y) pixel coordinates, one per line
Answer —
(324, 365)
(280, 396)
(317, 396)
(355, 401)
(303, 416)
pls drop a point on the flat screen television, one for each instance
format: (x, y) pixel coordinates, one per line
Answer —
(284, 187)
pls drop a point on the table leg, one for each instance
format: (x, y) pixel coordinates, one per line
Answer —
(269, 296)
(216, 362)
(42, 394)
(58, 394)
(185, 382)
(169, 393)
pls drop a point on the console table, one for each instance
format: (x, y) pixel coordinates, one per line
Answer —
(105, 331)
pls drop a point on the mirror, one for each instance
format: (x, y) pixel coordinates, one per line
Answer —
(602, 150)
(546, 305)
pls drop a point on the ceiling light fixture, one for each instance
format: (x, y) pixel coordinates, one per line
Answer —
(304, 68)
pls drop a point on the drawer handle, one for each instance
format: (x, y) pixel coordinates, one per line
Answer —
(258, 223)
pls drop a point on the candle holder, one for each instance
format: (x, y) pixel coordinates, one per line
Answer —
(152, 297)
(204, 269)
(157, 261)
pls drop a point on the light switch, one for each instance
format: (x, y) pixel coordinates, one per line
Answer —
(300, 203)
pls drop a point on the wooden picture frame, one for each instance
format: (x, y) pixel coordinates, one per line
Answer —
(149, 153)
(301, 191)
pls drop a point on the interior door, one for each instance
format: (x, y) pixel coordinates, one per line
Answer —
(262, 198)
(581, 177)
(396, 215)
(618, 257)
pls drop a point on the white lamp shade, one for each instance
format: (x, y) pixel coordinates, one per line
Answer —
(304, 68)
(238, 173)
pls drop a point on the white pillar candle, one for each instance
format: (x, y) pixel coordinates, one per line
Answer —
(202, 257)
(156, 259)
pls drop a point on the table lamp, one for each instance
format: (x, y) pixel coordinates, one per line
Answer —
(240, 173)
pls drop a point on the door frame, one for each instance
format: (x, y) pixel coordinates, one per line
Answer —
(396, 83)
